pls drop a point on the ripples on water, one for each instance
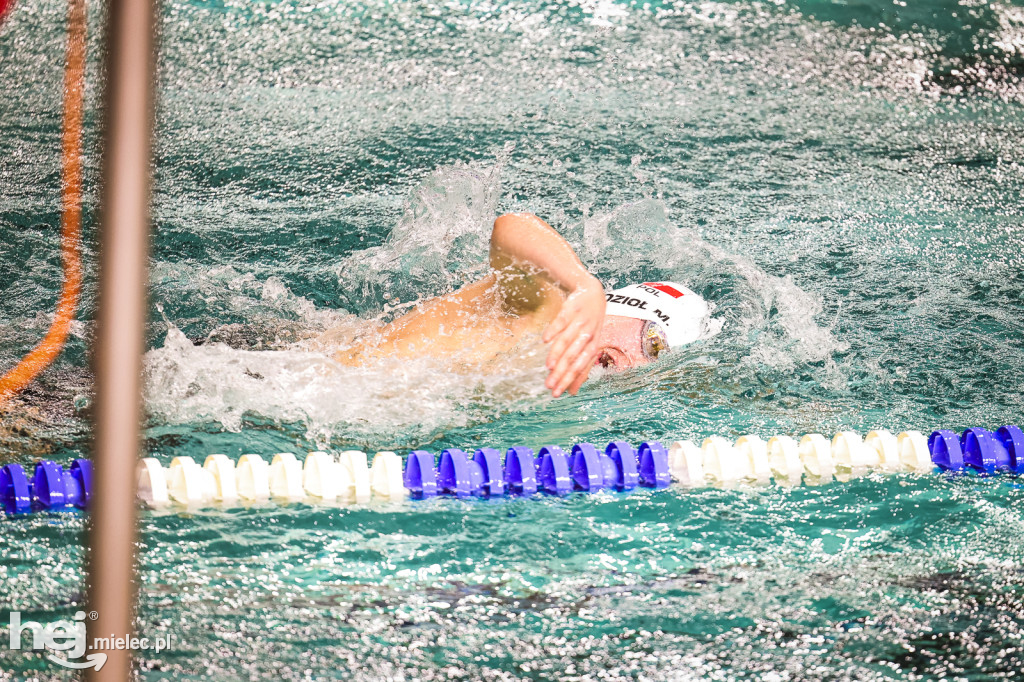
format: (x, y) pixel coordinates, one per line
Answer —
(842, 180)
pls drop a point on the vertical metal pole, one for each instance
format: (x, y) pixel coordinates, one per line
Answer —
(120, 336)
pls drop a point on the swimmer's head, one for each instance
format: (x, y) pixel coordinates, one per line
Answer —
(642, 321)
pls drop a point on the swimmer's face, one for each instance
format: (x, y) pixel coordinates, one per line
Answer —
(628, 342)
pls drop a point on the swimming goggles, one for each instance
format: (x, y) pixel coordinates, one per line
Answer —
(652, 340)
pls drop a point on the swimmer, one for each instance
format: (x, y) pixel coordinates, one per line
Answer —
(538, 285)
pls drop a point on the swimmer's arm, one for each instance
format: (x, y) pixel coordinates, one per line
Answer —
(530, 258)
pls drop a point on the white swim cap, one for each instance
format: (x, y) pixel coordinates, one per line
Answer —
(681, 313)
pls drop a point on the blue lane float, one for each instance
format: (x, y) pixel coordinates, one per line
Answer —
(553, 473)
(627, 466)
(619, 467)
(983, 452)
(50, 486)
(979, 450)
(946, 452)
(1012, 439)
(489, 461)
(520, 472)
(588, 469)
(14, 490)
(81, 474)
(654, 471)
(585, 468)
(461, 476)
(420, 475)
(48, 483)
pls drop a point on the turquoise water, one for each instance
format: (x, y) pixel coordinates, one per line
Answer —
(843, 181)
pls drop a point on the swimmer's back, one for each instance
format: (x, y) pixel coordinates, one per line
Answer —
(472, 325)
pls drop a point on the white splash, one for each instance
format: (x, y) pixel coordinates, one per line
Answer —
(776, 314)
(394, 402)
(440, 242)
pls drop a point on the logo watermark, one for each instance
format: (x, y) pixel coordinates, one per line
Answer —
(68, 639)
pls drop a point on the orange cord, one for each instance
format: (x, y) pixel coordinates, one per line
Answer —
(71, 214)
(5, 7)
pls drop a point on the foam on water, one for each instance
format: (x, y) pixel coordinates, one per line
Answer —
(397, 403)
(440, 242)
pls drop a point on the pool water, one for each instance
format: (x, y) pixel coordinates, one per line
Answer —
(842, 180)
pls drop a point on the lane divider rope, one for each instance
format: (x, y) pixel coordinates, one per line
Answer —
(350, 478)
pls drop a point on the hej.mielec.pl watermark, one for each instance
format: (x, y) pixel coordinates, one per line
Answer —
(68, 639)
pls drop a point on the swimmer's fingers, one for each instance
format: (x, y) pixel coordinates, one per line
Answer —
(569, 364)
(581, 368)
(572, 334)
(561, 341)
(557, 325)
(567, 331)
(561, 352)
(577, 323)
(581, 378)
(584, 306)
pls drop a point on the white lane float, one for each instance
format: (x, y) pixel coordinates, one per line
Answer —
(816, 456)
(151, 482)
(320, 477)
(686, 464)
(353, 463)
(252, 477)
(286, 478)
(722, 463)
(914, 453)
(851, 457)
(188, 484)
(886, 450)
(225, 485)
(386, 477)
(784, 460)
(754, 453)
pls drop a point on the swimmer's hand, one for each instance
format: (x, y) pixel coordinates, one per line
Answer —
(573, 337)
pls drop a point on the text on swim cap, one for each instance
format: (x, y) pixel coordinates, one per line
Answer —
(635, 303)
(626, 300)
